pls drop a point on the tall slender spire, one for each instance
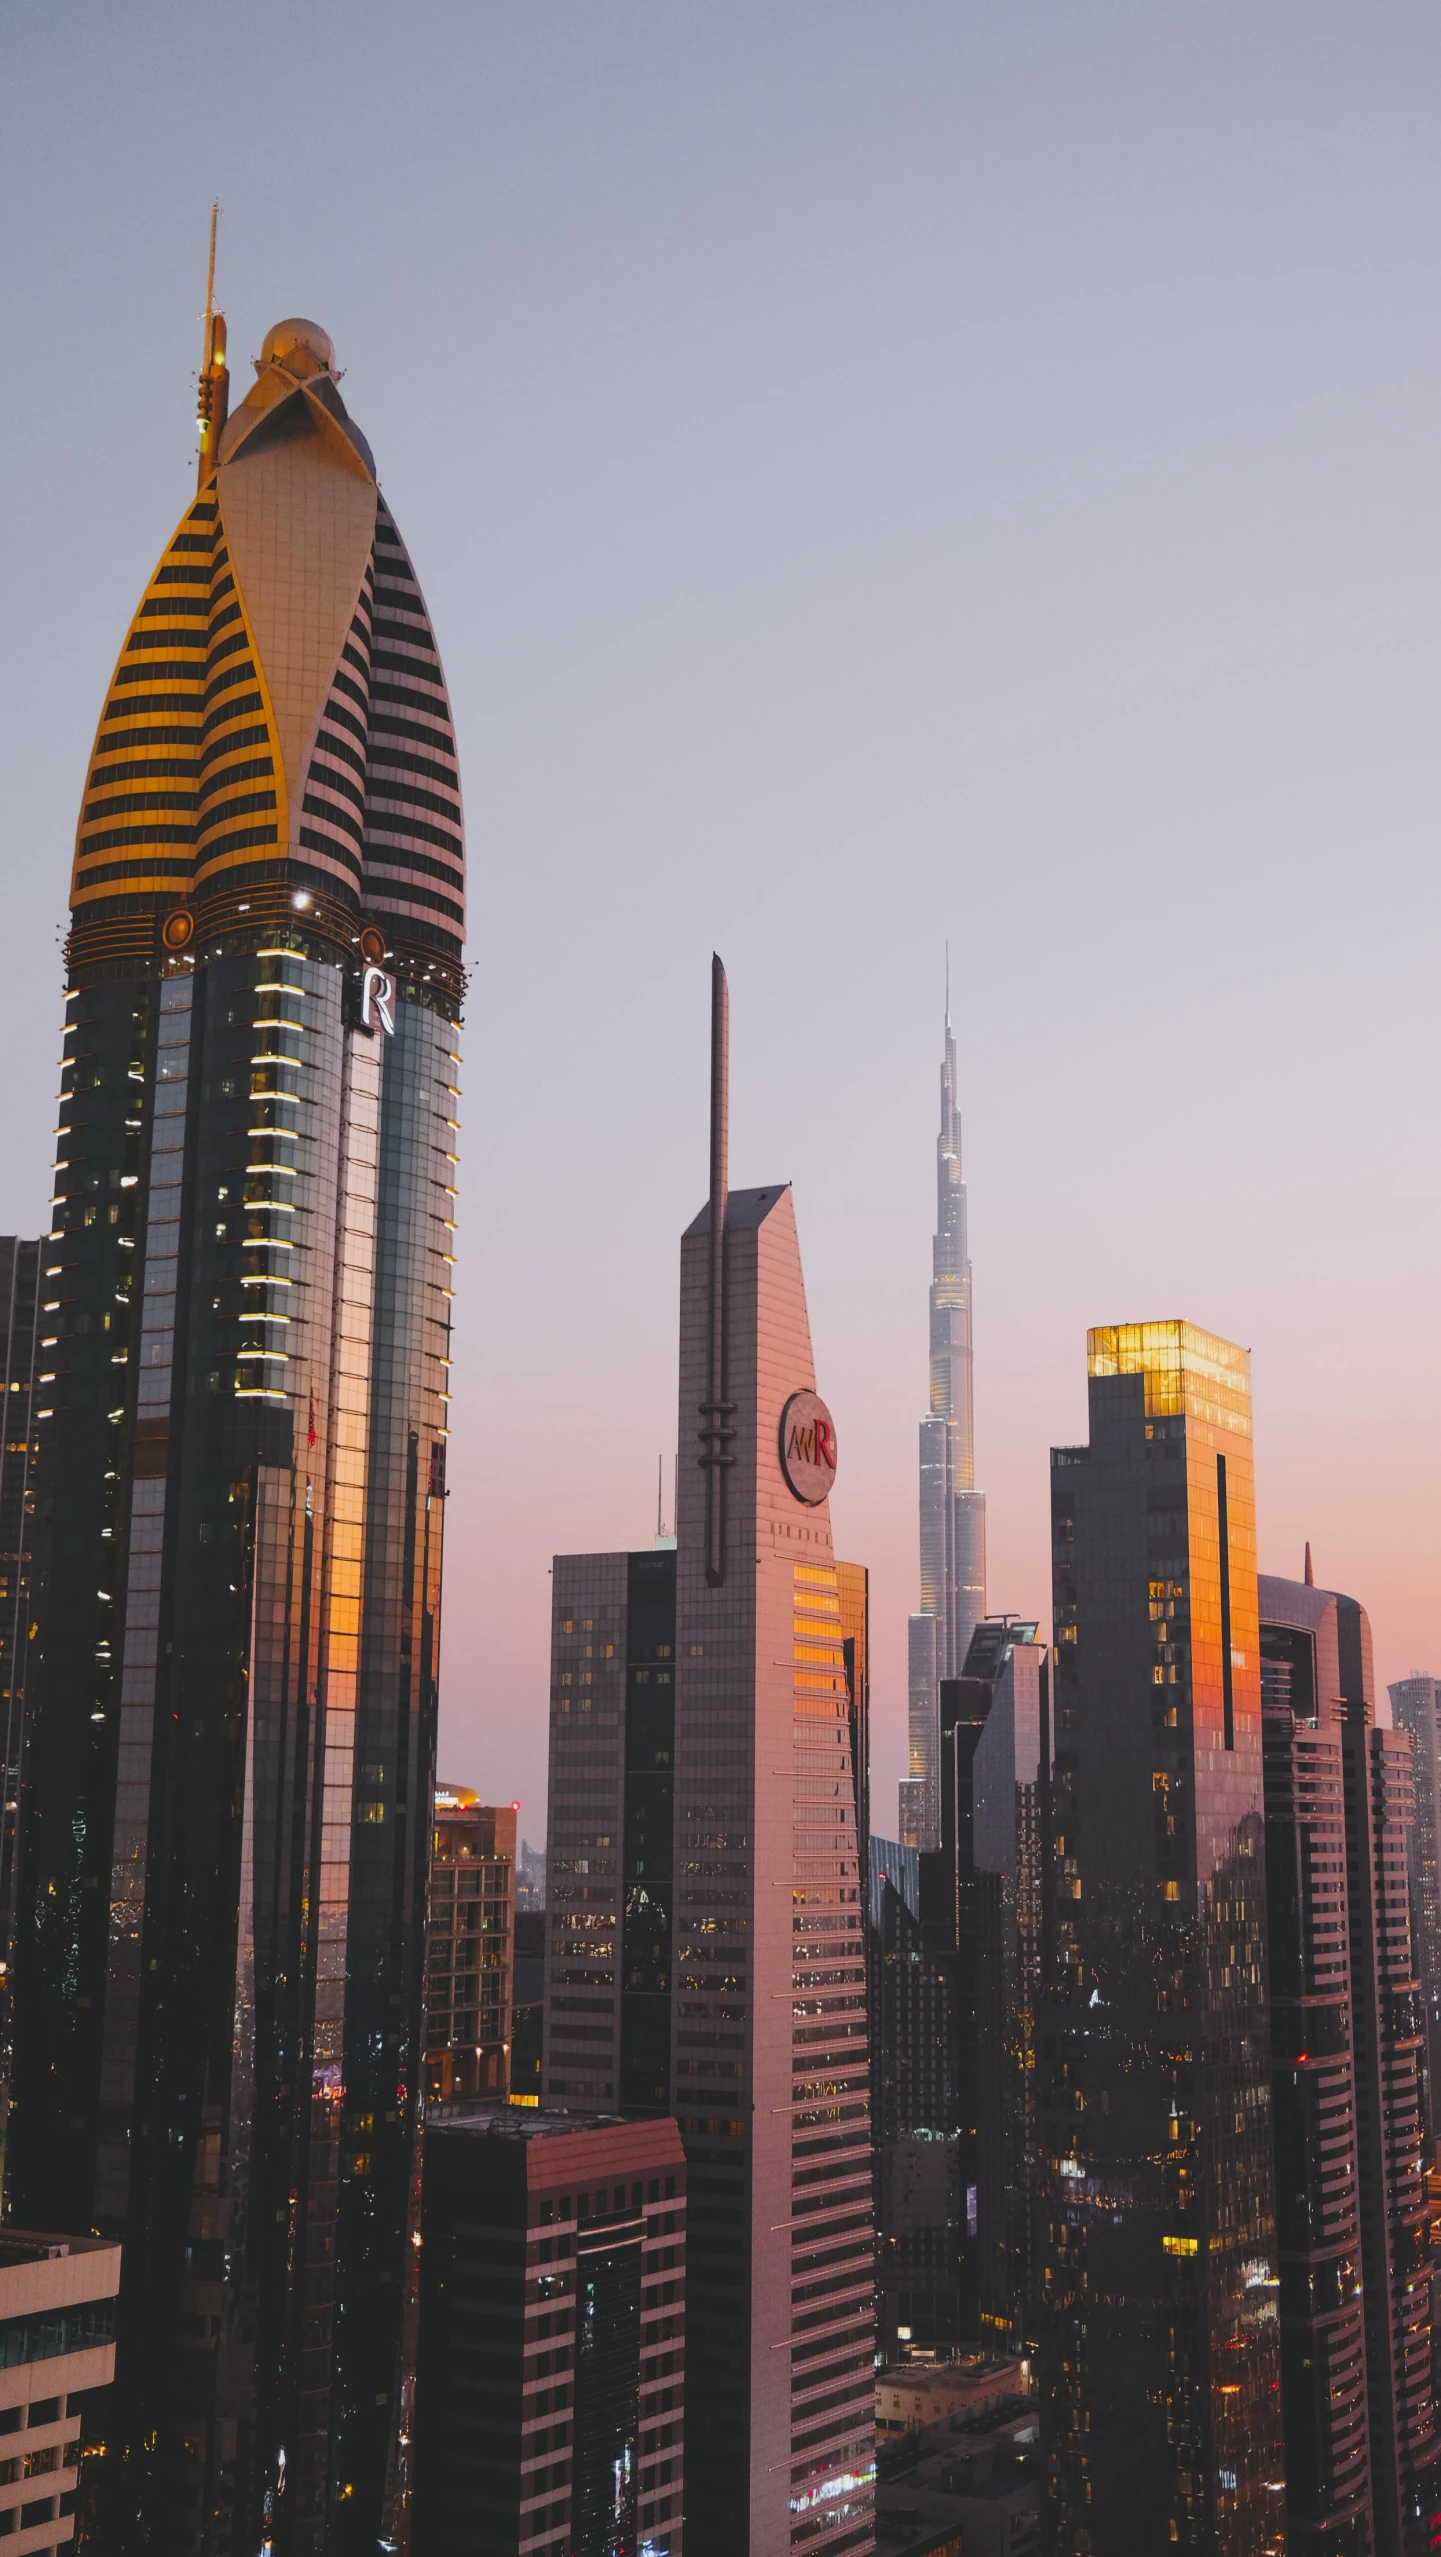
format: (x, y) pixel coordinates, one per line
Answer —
(953, 1512)
(1310, 1575)
(213, 398)
(716, 1410)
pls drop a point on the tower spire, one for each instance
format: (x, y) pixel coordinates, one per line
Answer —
(715, 1411)
(213, 401)
(1310, 1575)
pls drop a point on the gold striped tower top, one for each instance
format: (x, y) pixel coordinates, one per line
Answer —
(276, 742)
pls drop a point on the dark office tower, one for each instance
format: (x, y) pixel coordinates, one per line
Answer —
(232, 1708)
(770, 2016)
(968, 1924)
(1414, 1710)
(1160, 2369)
(1010, 1780)
(1313, 2076)
(20, 1296)
(1351, 1920)
(953, 1512)
(913, 2115)
(549, 2395)
(611, 1826)
(472, 1925)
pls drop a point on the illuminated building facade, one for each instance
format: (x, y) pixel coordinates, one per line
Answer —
(550, 2397)
(771, 2070)
(1350, 2088)
(953, 1512)
(470, 1952)
(21, 1262)
(1415, 1708)
(1159, 2326)
(240, 1490)
(607, 2029)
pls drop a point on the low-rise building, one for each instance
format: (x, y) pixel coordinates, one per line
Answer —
(969, 2487)
(57, 2343)
(912, 2396)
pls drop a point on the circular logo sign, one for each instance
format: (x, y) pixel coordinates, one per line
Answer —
(808, 1448)
(178, 929)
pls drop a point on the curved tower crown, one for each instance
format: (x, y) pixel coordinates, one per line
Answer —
(277, 737)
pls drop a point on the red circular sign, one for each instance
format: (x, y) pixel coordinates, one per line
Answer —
(808, 1448)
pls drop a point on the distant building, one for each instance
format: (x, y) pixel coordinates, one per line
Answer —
(527, 2009)
(20, 1295)
(915, 2395)
(529, 1876)
(1159, 2366)
(913, 2125)
(953, 1512)
(610, 1828)
(980, 1918)
(1348, 2072)
(468, 1970)
(551, 2377)
(1415, 1708)
(57, 2345)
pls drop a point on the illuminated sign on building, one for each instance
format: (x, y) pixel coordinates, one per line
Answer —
(808, 1448)
(377, 1001)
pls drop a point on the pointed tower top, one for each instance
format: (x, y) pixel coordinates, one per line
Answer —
(948, 989)
(1310, 1575)
(213, 399)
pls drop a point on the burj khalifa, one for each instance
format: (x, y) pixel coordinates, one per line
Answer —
(953, 1512)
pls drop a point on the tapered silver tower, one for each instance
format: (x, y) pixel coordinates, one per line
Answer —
(953, 1512)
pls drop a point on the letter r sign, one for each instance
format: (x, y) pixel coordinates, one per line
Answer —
(377, 1001)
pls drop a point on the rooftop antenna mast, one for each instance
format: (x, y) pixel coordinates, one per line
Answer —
(715, 1410)
(213, 400)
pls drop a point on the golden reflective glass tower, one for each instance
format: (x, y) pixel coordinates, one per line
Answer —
(240, 1478)
(1160, 2361)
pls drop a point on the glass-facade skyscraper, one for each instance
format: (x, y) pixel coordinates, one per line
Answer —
(953, 1512)
(239, 1487)
(1159, 2325)
(1416, 1710)
(1349, 2081)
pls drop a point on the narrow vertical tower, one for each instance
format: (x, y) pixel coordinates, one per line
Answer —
(770, 2085)
(953, 1512)
(240, 1481)
(1161, 2415)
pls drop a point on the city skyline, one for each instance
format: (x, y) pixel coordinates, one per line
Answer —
(1091, 627)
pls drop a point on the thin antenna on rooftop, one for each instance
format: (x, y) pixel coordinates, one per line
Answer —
(213, 400)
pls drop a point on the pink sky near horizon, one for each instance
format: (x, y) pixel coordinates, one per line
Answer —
(879, 478)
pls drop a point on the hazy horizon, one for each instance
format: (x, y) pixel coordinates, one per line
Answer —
(878, 477)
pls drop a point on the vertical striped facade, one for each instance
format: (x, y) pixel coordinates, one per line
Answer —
(240, 1490)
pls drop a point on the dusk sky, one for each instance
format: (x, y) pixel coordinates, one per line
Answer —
(880, 474)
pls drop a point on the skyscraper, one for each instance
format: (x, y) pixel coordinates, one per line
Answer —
(1160, 2370)
(1348, 2073)
(770, 2016)
(953, 1512)
(240, 1484)
(550, 2397)
(1416, 1710)
(20, 1269)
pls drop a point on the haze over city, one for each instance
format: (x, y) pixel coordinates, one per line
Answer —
(882, 479)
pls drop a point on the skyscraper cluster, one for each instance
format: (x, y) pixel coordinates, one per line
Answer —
(732, 2180)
